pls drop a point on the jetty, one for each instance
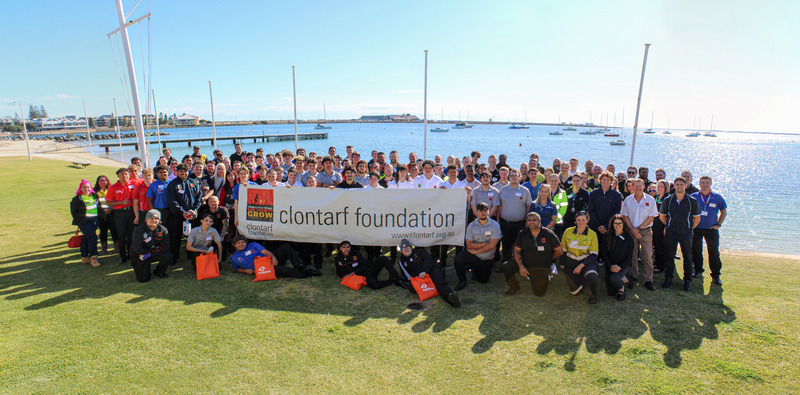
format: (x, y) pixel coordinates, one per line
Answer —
(265, 138)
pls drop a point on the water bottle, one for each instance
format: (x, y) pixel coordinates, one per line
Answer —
(554, 269)
(187, 227)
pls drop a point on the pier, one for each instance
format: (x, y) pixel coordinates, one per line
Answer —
(265, 138)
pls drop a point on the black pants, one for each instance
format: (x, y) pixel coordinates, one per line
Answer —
(587, 277)
(671, 245)
(481, 269)
(142, 267)
(373, 269)
(711, 236)
(175, 228)
(614, 280)
(307, 250)
(284, 254)
(539, 277)
(103, 224)
(437, 276)
(510, 231)
(661, 257)
(123, 220)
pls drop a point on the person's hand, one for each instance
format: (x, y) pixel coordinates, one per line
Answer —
(185, 215)
(107, 211)
(126, 202)
(602, 229)
(206, 252)
(578, 269)
(636, 234)
(141, 257)
(422, 275)
(715, 227)
(236, 222)
(205, 189)
(615, 269)
(331, 187)
(250, 271)
(524, 272)
(136, 220)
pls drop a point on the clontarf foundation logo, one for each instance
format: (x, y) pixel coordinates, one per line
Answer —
(259, 204)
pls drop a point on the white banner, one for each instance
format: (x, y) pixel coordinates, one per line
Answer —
(378, 217)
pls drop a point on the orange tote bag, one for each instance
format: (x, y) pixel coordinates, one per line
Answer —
(207, 266)
(265, 270)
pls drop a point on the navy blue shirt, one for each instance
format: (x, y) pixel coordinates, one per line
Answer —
(680, 215)
(183, 196)
(603, 206)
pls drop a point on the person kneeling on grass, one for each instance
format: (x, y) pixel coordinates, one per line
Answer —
(243, 259)
(150, 243)
(417, 262)
(348, 261)
(203, 240)
(580, 265)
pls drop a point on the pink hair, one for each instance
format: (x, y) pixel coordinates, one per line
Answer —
(78, 192)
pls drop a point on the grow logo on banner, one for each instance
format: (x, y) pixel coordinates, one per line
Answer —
(259, 205)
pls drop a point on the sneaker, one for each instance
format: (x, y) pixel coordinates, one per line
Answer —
(454, 300)
(94, 262)
(511, 291)
(649, 285)
(667, 283)
(687, 285)
(716, 281)
(698, 273)
(160, 275)
(620, 296)
(461, 285)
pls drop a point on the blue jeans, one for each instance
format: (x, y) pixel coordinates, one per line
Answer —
(89, 241)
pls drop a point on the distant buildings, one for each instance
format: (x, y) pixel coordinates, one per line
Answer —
(389, 118)
(183, 120)
(105, 121)
(6, 121)
(67, 122)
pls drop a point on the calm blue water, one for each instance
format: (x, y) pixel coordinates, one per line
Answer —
(755, 173)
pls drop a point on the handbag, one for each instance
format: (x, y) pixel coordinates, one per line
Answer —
(354, 281)
(75, 240)
(265, 270)
(424, 287)
(207, 266)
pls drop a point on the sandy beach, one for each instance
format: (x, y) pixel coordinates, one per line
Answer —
(70, 153)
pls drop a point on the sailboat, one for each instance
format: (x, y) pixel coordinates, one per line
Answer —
(558, 132)
(650, 131)
(322, 125)
(622, 127)
(667, 131)
(522, 125)
(462, 125)
(709, 133)
(440, 129)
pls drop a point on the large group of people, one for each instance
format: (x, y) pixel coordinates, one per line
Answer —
(527, 221)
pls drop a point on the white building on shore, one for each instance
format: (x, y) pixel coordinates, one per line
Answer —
(183, 120)
(64, 123)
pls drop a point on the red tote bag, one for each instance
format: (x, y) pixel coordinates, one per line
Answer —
(425, 288)
(265, 270)
(207, 266)
(354, 281)
(75, 240)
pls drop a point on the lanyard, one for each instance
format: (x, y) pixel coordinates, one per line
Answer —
(705, 200)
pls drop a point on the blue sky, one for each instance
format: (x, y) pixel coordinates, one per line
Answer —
(734, 60)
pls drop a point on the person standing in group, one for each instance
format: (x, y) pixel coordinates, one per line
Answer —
(638, 211)
(84, 208)
(328, 178)
(618, 256)
(604, 203)
(578, 199)
(713, 211)
(120, 197)
(184, 198)
(482, 237)
(515, 202)
(140, 203)
(150, 244)
(680, 214)
(543, 206)
(580, 265)
(157, 194)
(534, 250)
(659, 249)
(105, 217)
(559, 198)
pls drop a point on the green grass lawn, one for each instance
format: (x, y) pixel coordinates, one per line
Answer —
(68, 328)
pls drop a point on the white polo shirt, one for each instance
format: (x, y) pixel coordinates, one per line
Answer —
(637, 212)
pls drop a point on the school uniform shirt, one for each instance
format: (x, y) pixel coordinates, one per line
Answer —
(537, 252)
(637, 212)
(363, 180)
(475, 183)
(425, 183)
(158, 192)
(400, 185)
(245, 259)
(183, 196)
(119, 192)
(481, 233)
(514, 202)
(329, 179)
(447, 185)
(680, 215)
(534, 190)
(709, 208)
(202, 240)
(140, 193)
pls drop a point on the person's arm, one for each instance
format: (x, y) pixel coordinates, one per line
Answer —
(722, 214)
(151, 202)
(135, 211)
(553, 221)
(518, 259)
(486, 247)
(74, 207)
(695, 212)
(629, 225)
(557, 252)
(199, 199)
(474, 245)
(628, 258)
(190, 240)
(172, 199)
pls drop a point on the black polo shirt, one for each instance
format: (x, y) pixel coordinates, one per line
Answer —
(680, 215)
(219, 216)
(537, 252)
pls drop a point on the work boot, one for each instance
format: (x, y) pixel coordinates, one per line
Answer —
(85, 259)
(94, 262)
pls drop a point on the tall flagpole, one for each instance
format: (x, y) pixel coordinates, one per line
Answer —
(119, 135)
(158, 121)
(88, 133)
(25, 129)
(425, 107)
(213, 122)
(294, 94)
(134, 88)
(639, 102)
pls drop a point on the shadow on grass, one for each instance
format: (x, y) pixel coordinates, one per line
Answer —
(678, 320)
